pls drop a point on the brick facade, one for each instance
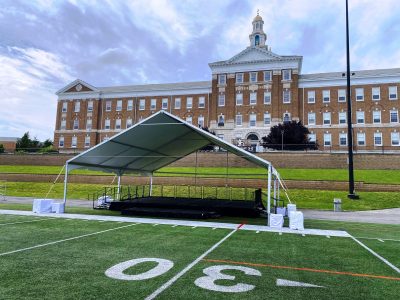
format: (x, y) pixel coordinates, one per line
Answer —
(240, 117)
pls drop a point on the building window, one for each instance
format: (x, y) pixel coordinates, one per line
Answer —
(267, 75)
(361, 139)
(108, 105)
(239, 120)
(327, 139)
(164, 103)
(312, 138)
(87, 141)
(253, 120)
(221, 120)
(128, 122)
(118, 124)
(142, 104)
(253, 98)
(119, 105)
(189, 119)
(376, 116)
(222, 79)
(90, 106)
(392, 92)
(177, 103)
(286, 117)
(202, 102)
(267, 119)
(286, 96)
(360, 94)
(107, 124)
(341, 95)
(395, 136)
(343, 139)
(394, 116)
(74, 142)
(129, 106)
(239, 78)
(286, 75)
(153, 104)
(77, 106)
(221, 100)
(106, 138)
(342, 117)
(378, 139)
(267, 97)
(76, 124)
(63, 124)
(360, 117)
(61, 142)
(189, 102)
(376, 93)
(311, 118)
(327, 118)
(253, 76)
(239, 99)
(311, 96)
(220, 136)
(200, 121)
(89, 124)
(326, 96)
(64, 107)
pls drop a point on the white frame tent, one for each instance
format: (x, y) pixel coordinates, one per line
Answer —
(156, 142)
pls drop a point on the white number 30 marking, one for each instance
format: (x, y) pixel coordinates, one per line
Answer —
(214, 273)
(117, 271)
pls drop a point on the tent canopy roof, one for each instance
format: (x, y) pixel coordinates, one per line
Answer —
(152, 144)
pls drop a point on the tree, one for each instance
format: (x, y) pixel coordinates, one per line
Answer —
(25, 142)
(47, 143)
(294, 135)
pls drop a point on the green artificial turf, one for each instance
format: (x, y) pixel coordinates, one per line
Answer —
(75, 269)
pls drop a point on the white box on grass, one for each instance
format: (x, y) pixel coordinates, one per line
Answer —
(58, 208)
(296, 220)
(276, 221)
(42, 205)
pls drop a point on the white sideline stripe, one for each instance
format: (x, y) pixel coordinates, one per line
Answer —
(382, 241)
(379, 239)
(231, 226)
(3, 224)
(64, 240)
(377, 255)
(187, 268)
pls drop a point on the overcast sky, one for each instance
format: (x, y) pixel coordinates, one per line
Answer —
(45, 44)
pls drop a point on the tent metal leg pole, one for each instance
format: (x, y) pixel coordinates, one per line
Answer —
(65, 184)
(269, 195)
(276, 203)
(151, 184)
(119, 188)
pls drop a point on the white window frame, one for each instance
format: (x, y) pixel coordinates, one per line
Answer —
(74, 142)
(200, 121)
(76, 124)
(267, 98)
(327, 116)
(267, 75)
(358, 114)
(361, 139)
(189, 119)
(189, 102)
(342, 136)
(87, 141)
(164, 103)
(287, 95)
(129, 122)
(376, 93)
(239, 99)
(221, 120)
(342, 95)
(119, 105)
(221, 100)
(286, 75)
(326, 96)
(311, 118)
(107, 124)
(129, 105)
(64, 107)
(327, 140)
(342, 116)
(108, 105)
(202, 102)
(392, 92)
(395, 113)
(267, 119)
(359, 94)
(376, 136)
(286, 117)
(376, 117)
(63, 124)
(312, 137)
(153, 104)
(395, 138)
(142, 104)
(222, 79)
(239, 120)
(239, 77)
(252, 120)
(118, 124)
(177, 104)
(61, 142)
(89, 124)
(310, 96)
(253, 98)
(77, 107)
(90, 106)
(253, 77)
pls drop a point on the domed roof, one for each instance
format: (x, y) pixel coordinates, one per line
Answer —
(257, 18)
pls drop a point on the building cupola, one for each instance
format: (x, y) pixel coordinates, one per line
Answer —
(258, 37)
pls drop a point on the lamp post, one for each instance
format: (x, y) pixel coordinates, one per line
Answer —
(352, 194)
(282, 132)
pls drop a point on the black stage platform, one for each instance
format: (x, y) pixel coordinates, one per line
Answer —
(188, 207)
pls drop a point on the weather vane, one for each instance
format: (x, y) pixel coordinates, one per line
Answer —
(258, 12)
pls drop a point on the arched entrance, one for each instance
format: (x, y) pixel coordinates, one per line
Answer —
(252, 141)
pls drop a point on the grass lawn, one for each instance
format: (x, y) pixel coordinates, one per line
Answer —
(368, 176)
(76, 268)
(313, 199)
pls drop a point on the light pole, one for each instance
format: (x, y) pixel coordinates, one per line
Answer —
(282, 132)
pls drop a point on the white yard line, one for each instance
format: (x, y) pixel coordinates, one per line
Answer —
(261, 228)
(379, 239)
(3, 224)
(187, 268)
(377, 255)
(64, 240)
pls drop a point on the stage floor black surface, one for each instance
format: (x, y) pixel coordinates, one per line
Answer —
(187, 207)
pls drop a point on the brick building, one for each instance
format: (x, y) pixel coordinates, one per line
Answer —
(248, 93)
(9, 143)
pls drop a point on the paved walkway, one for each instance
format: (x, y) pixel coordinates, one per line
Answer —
(383, 216)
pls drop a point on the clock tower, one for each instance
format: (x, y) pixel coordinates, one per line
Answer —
(258, 37)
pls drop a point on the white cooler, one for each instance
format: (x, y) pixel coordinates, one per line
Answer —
(296, 220)
(58, 208)
(42, 206)
(276, 221)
